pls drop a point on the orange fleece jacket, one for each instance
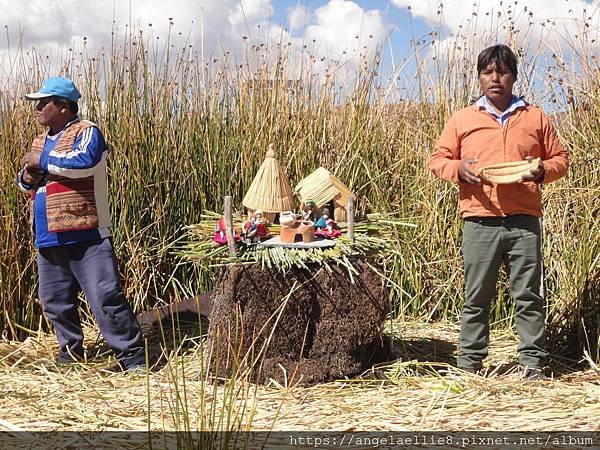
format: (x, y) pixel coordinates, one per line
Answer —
(473, 133)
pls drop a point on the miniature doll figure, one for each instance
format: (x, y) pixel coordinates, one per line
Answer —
(326, 226)
(220, 236)
(308, 210)
(256, 227)
(322, 221)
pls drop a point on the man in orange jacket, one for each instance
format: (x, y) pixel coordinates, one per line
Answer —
(501, 221)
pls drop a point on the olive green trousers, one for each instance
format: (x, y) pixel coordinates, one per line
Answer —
(487, 243)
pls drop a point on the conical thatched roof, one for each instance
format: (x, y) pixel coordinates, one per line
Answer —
(270, 190)
(321, 187)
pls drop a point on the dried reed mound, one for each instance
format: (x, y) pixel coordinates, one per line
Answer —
(307, 326)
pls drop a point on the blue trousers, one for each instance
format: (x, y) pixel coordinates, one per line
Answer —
(89, 267)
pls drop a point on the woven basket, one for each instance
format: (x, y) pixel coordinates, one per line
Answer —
(507, 172)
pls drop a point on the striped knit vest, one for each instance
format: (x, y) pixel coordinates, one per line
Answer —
(70, 202)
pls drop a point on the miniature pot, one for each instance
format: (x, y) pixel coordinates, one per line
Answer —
(287, 218)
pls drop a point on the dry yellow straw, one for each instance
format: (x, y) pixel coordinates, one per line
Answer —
(270, 190)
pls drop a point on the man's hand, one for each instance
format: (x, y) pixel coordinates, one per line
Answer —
(465, 174)
(31, 160)
(31, 176)
(536, 175)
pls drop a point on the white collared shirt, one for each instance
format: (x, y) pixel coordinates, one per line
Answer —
(515, 102)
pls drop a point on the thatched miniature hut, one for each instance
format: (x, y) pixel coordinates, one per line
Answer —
(322, 187)
(270, 190)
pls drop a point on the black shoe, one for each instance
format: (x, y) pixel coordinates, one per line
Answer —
(66, 360)
(534, 374)
(478, 370)
(133, 363)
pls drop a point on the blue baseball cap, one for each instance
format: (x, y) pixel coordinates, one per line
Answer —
(56, 87)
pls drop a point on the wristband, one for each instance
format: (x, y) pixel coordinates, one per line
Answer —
(21, 182)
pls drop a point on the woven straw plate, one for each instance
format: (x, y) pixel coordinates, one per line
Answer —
(507, 172)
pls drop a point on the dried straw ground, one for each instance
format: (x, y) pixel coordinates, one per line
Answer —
(421, 391)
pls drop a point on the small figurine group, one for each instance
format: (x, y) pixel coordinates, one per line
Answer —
(324, 225)
(309, 210)
(254, 229)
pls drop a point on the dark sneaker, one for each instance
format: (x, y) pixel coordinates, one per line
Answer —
(66, 360)
(534, 374)
(132, 362)
(474, 370)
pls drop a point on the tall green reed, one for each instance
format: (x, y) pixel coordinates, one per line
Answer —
(186, 131)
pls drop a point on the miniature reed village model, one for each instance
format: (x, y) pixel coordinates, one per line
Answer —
(298, 298)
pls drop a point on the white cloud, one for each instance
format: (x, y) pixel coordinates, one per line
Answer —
(343, 26)
(525, 23)
(298, 17)
(248, 12)
(535, 29)
(339, 32)
(221, 23)
(61, 22)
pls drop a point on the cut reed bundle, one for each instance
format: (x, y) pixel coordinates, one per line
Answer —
(374, 238)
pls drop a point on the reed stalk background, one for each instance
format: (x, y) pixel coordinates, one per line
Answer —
(185, 131)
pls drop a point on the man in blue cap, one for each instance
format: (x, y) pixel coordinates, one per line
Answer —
(65, 174)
